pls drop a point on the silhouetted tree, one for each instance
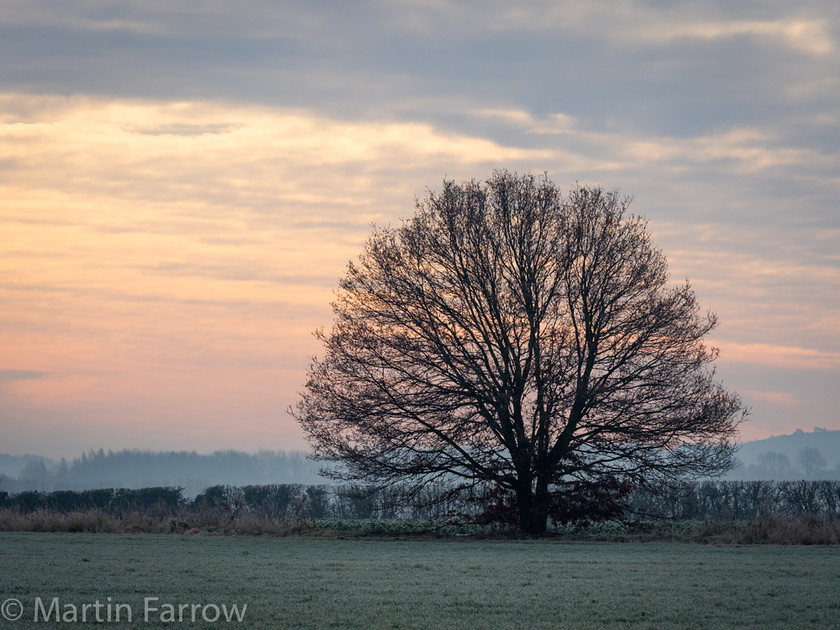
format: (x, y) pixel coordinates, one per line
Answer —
(508, 335)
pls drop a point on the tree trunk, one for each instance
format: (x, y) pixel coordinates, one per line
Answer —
(533, 507)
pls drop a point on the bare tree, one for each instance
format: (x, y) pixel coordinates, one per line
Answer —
(811, 462)
(777, 465)
(511, 337)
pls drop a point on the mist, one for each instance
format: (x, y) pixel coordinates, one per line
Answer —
(145, 469)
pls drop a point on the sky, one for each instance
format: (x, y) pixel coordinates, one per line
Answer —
(183, 183)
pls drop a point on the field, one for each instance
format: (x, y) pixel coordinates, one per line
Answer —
(357, 583)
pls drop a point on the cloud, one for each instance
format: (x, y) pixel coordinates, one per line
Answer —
(254, 18)
(11, 376)
(621, 21)
(750, 149)
(788, 357)
(196, 149)
(784, 399)
(747, 149)
(808, 36)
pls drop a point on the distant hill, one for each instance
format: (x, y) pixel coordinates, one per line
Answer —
(800, 455)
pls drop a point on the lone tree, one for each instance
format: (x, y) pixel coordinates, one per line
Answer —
(511, 337)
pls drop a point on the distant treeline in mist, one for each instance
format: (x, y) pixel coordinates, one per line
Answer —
(800, 455)
(145, 469)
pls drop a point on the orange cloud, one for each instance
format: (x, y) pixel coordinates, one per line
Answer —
(779, 356)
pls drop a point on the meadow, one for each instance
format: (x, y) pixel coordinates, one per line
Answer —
(305, 582)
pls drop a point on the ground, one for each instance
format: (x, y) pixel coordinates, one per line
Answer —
(358, 583)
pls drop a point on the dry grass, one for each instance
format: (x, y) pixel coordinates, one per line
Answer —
(774, 531)
(97, 521)
(803, 531)
(94, 521)
(90, 521)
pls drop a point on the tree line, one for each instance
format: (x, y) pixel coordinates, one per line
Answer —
(808, 463)
(739, 500)
(143, 469)
(697, 500)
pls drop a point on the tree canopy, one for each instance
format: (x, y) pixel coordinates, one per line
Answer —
(511, 337)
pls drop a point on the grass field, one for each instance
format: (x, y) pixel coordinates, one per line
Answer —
(333, 583)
